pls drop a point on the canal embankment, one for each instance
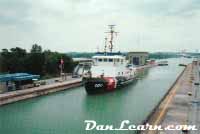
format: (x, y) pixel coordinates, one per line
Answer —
(17, 95)
(10, 97)
(180, 105)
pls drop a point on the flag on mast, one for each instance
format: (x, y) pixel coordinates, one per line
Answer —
(61, 61)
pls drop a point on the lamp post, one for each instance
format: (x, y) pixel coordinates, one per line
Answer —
(61, 67)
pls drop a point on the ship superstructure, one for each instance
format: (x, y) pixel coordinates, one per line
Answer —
(110, 69)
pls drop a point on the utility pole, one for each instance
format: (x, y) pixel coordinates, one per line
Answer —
(61, 67)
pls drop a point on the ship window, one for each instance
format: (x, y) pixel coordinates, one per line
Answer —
(105, 60)
(110, 60)
(100, 60)
(117, 60)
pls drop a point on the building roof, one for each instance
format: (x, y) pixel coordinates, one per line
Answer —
(82, 59)
(112, 57)
(138, 52)
(18, 77)
(108, 53)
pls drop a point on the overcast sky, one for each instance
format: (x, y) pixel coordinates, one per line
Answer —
(79, 25)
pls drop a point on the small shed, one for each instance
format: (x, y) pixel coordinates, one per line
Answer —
(17, 81)
(137, 58)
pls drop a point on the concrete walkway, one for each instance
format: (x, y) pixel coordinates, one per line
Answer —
(14, 96)
(177, 108)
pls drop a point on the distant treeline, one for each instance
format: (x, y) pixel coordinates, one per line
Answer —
(163, 55)
(81, 54)
(44, 63)
(157, 55)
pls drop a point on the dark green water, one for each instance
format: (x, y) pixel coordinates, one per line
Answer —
(65, 112)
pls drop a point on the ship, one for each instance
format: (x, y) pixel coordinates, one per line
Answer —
(110, 70)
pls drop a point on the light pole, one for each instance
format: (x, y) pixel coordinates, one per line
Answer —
(61, 67)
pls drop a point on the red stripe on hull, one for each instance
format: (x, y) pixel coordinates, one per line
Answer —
(111, 83)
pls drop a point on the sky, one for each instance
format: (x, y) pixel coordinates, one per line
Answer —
(80, 25)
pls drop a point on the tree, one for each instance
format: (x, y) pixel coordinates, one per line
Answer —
(19, 52)
(68, 63)
(36, 62)
(13, 60)
(0, 63)
(36, 48)
(5, 54)
(51, 63)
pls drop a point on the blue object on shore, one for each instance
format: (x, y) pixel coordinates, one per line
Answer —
(18, 77)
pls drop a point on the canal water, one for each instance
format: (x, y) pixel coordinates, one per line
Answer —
(64, 112)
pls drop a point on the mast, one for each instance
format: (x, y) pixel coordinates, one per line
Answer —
(105, 45)
(97, 49)
(111, 32)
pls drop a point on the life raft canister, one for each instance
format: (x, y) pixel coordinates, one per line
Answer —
(111, 83)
